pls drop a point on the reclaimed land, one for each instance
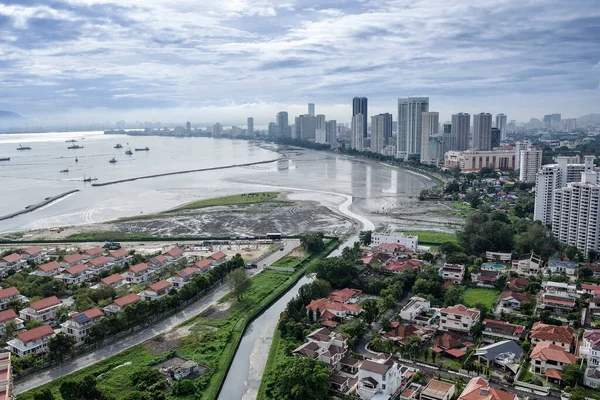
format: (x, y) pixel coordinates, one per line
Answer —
(41, 204)
(210, 339)
(183, 172)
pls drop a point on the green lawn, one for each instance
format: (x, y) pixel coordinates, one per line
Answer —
(472, 296)
(287, 262)
(236, 199)
(433, 238)
(459, 205)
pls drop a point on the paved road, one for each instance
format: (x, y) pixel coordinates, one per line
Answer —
(136, 338)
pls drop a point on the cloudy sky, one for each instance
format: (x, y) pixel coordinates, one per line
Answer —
(224, 60)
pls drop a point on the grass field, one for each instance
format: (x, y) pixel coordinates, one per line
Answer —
(472, 296)
(287, 262)
(237, 199)
(432, 238)
(459, 205)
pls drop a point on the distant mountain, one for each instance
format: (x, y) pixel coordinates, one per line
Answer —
(9, 119)
(593, 118)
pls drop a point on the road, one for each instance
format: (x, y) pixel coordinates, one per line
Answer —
(136, 338)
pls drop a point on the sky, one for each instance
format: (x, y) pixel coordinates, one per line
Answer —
(224, 60)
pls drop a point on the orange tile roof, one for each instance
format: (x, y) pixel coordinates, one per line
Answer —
(459, 309)
(9, 292)
(203, 264)
(552, 352)
(553, 373)
(51, 266)
(35, 334)
(127, 300)
(158, 259)
(11, 258)
(94, 251)
(344, 295)
(72, 258)
(325, 304)
(186, 273)
(520, 297)
(552, 333)
(76, 269)
(33, 250)
(138, 268)
(45, 303)
(7, 315)
(219, 255)
(479, 389)
(174, 252)
(91, 313)
(160, 285)
(112, 279)
(94, 262)
(119, 253)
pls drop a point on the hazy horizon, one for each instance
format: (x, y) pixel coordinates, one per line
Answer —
(96, 61)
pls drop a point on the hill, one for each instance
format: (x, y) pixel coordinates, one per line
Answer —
(9, 119)
(594, 118)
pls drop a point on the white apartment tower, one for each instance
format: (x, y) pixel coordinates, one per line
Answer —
(331, 132)
(460, 129)
(501, 124)
(576, 211)
(430, 127)
(217, 130)
(482, 131)
(378, 133)
(530, 162)
(356, 139)
(320, 132)
(409, 125)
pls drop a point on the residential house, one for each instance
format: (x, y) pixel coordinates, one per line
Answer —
(9, 294)
(332, 312)
(114, 280)
(400, 333)
(561, 289)
(590, 350)
(93, 252)
(174, 255)
(398, 266)
(49, 269)
(416, 307)
(562, 336)
(74, 275)
(11, 262)
(517, 284)
(506, 355)
(550, 359)
(183, 277)
(325, 345)
(42, 310)
(157, 263)
(119, 257)
(217, 258)
(592, 290)
(79, 325)
(437, 390)
(410, 242)
(411, 392)
(138, 273)
(494, 331)
(6, 377)
(382, 376)
(484, 278)
(497, 257)
(33, 341)
(33, 255)
(458, 318)
(514, 299)
(558, 267)
(556, 304)
(9, 315)
(98, 264)
(529, 264)
(453, 272)
(393, 250)
(480, 389)
(122, 302)
(375, 258)
(445, 342)
(346, 296)
(71, 260)
(203, 265)
(156, 291)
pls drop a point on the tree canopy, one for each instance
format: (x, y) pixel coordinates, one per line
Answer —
(312, 242)
(300, 378)
(239, 282)
(339, 272)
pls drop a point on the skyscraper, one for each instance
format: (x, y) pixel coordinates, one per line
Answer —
(378, 130)
(448, 139)
(308, 127)
(501, 120)
(409, 125)
(320, 131)
(250, 130)
(530, 162)
(359, 106)
(331, 132)
(283, 126)
(217, 130)
(272, 130)
(188, 127)
(495, 137)
(357, 138)
(387, 128)
(482, 131)
(461, 127)
(552, 121)
(430, 122)
(311, 109)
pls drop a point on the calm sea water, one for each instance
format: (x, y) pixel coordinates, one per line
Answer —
(32, 175)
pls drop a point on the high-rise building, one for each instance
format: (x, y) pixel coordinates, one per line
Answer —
(296, 132)
(236, 131)
(359, 106)
(331, 132)
(273, 129)
(569, 124)
(409, 125)
(188, 127)
(535, 123)
(501, 121)
(378, 127)
(283, 127)
(552, 121)
(217, 130)
(521, 145)
(436, 149)
(430, 123)
(387, 128)
(495, 137)
(308, 127)
(576, 211)
(448, 139)
(461, 127)
(320, 131)
(482, 131)
(250, 129)
(549, 178)
(530, 162)
(357, 138)
(311, 109)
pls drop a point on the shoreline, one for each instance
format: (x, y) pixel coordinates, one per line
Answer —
(33, 207)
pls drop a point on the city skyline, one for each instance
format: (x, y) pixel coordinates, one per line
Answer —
(89, 61)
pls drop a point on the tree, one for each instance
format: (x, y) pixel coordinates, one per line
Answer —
(500, 282)
(312, 242)
(592, 255)
(183, 388)
(413, 346)
(526, 307)
(577, 393)
(239, 282)
(340, 273)
(585, 273)
(452, 296)
(300, 378)
(148, 379)
(428, 257)
(44, 394)
(84, 389)
(32, 323)
(60, 345)
(370, 311)
(572, 375)
(365, 237)
(10, 330)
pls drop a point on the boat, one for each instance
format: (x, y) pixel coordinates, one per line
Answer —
(144, 149)
(5, 159)
(89, 179)
(64, 170)
(118, 146)
(70, 141)
(76, 159)
(112, 160)
(75, 147)
(21, 147)
(129, 152)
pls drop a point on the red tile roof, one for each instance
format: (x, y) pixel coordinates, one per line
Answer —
(327, 315)
(138, 268)
(174, 252)
(9, 292)
(76, 269)
(160, 285)
(479, 389)
(344, 295)
(94, 262)
(160, 259)
(127, 300)
(7, 315)
(456, 352)
(552, 333)
(520, 297)
(45, 303)
(516, 329)
(33, 250)
(35, 334)
(218, 256)
(186, 273)
(446, 341)
(518, 283)
(406, 265)
(92, 313)
(552, 352)
(51, 266)
(119, 253)
(459, 309)
(553, 373)
(112, 279)
(94, 251)
(326, 304)
(203, 264)
(72, 258)
(11, 258)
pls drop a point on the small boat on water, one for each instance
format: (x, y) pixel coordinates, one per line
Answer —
(5, 159)
(76, 159)
(144, 149)
(89, 179)
(75, 147)
(70, 141)
(118, 146)
(21, 147)
(129, 152)
(64, 170)
(112, 160)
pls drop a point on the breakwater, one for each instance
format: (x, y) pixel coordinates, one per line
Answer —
(184, 172)
(34, 207)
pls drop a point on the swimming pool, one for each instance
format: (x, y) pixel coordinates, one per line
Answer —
(492, 266)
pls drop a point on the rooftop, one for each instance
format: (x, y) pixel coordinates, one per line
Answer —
(141, 267)
(437, 389)
(51, 266)
(112, 279)
(160, 285)
(127, 300)
(72, 258)
(552, 352)
(11, 258)
(35, 334)
(9, 292)
(76, 269)
(45, 303)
